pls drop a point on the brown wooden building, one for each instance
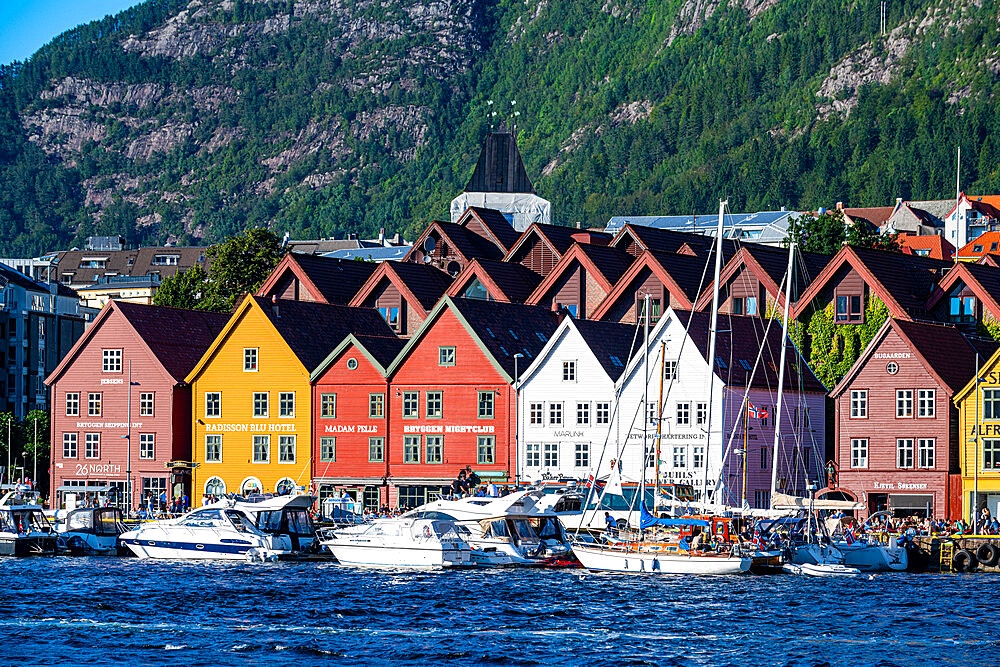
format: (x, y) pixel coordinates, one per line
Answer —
(300, 277)
(404, 293)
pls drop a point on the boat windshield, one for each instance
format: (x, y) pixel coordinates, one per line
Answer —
(202, 518)
(548, 528)
(23, 521)
(523, 530)
(299, 522)
(240, 521)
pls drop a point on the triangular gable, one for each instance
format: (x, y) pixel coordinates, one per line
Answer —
(533, 231)
(742, 259)
(386, 271)
(350, 340)
(847, 256)
(866, 354)
(418, 245)
(475, 270)
(984, 369)
(446, 304)
(960, 272)
(566, 328)
(287, 266)
(249, 303)
(645, 261)
(633, 364)
(575, 254)
(505, 239)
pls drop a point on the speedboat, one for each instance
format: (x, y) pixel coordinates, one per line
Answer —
(206, 533)
(864, 553)
(515, 525)
(286, 516)
(91, 531)
(24, 530)
(822, 570)
(400, 542)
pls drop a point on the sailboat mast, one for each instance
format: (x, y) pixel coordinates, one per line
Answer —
(711, 344)
(781, 371)
(645, 399)
(659, 421)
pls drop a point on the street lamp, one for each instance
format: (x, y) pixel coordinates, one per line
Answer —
(517, 412)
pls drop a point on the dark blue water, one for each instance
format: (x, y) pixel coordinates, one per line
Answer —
(110, 611)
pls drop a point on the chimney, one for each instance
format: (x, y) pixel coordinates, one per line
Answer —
(899, 200)
(381, 235)
(274, 305)
(840, 206)
(578, 224)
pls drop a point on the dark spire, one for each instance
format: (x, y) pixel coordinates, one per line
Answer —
(500, 168)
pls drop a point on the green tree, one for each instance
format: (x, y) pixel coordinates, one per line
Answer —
(819, 233)
(36, 448)
(861, 234)
(182, 290)
(239, 266)
(8, 443)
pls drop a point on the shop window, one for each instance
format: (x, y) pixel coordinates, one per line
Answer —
(411, 404)
(376, 450)
(486, 404)
(262, 449)
(435, 404)
(327, 450)
(582, 455)
(284, 486)
(849, 309)
(435, 449)
(486, 450)
(146, 448)
(213, 404)
(286, 449)
(328, 406)
(215, 487)
(213, 448)
(904, 453)
(152, 487)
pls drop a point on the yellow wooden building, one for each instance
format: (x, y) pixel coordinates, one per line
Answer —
(252, 402)
(979, 439)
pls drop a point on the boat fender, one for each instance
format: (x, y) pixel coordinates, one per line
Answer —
(987, 554)
(964, 561)
(427, 532)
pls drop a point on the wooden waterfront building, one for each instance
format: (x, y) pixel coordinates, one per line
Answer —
(90, 396)
(542, 246)
(895, 426)
(301, 277)
(582, 279)
(404, 293)
(979, 439)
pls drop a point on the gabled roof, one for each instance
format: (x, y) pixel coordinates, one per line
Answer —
(379, 350)
(607, 265)
(672, 241)
(175, 336)
(769, 265)
(504, 234)
(947, 354)
(309, 329)
(501, 330)
(988, 243)
(875, 215)
(468, 244)
(420, 284)
(983, 280)
(902, 282)
(559, 239)
(500, 168)
(505, 281)
(926, 245)
(682, 275)
(610, 341)
(328, 280)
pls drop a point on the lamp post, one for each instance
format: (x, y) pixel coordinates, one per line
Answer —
(34, 468)
(517, 413)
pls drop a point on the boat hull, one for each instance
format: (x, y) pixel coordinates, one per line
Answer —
(145, 548)
(368, 555)
(607, 559)
(28, 545)
(874, 558)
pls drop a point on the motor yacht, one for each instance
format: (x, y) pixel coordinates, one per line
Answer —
(519, 525)
(24, 530)
(285, 516)
(206, 533)
(404, 542)
(92, 531)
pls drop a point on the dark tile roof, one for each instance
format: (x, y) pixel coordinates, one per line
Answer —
(135, 262)
(611, 262)
(516, 281)
(470, 244)
(500, 226)
(177, 337)
(987, 276)
(909, 279)
(312, 329)
(337, 279)
(950, 353)
(507, 329)
(562, 237)
(739, 340)
(667, 240)
(383, 348)
(876, 215)
(610, 341)
(500, 168)
(774, 261)
(688, 271)
(427, 282)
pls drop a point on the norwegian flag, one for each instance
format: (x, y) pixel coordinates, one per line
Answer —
(593, 483)
(758, 539)
(755, 412)
(851, 536)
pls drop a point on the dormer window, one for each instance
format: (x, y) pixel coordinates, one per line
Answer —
(849, 309)
(476, 290)
(654, 310)
(962, 308)
(391, 316)
(977, 248)
(165, 260)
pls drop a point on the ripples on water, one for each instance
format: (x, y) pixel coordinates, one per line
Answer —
(109, 611)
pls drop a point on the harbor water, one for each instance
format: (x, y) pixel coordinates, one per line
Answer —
(114, 611)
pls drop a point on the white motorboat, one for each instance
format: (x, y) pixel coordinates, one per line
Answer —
(90, 531)
(24, 530)
(869, 557)
(206, 533)
(517, 525)
(286, 516)
(652, 558)
(404, 542)
(822, 570)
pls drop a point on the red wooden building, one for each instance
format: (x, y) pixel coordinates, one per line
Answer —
(90, 396)
(896, 428)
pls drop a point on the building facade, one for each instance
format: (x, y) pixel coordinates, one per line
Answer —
(979, 441)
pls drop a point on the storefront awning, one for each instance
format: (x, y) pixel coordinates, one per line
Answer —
(84, 489)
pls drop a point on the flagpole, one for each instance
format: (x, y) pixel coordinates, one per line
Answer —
(746, 425)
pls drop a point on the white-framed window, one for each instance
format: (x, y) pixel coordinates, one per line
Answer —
(146, 404)
(112, 361)
(533, 455)
(327, 450)
(92, 446)
(925, 402)
(700, 413)
(73, 404)
(582, 454)
(93, 405)
(680, 457)
(146, 448)
(286, 404)
(904, 402)
(603, 413)
(569, 371)
(536, 413)
(376, 450)
(435, 449)
(697, 456)
(991, 403)
(215, 487)
(411, 449)
(652, 412)
(69, 445)
(555, 414)
(551, 454)
(213, 404)
(670, 370)
(486, 450)
(925, 452)
(859, 404)
(684, 414)
(859, 453)
(582, 414)
(904, 453)
(250, 364)
(213, 448)
(262, 449)
(261, 403)
(286, 449)
(328, 406)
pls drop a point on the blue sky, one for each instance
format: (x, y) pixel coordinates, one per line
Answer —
(27, 25)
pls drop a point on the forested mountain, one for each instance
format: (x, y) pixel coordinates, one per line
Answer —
(192, 120)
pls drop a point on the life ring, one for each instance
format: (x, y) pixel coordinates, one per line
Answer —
(427, 532)
(964, 561)
(987, 554)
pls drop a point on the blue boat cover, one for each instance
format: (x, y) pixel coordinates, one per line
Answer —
(647, 520)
